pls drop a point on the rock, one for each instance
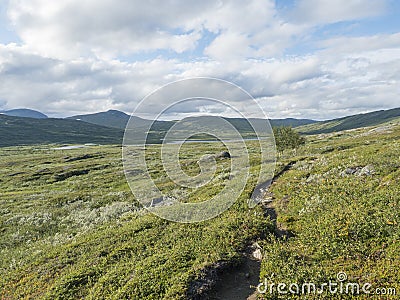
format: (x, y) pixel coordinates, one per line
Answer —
(266, 200)
(350, 171)
(366, 171)
(257, 254)
(224, 154)
(156, 201)
(316, 177)
(162, 201)
(358, 171)
(206, 158)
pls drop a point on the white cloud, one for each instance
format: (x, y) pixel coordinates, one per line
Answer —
(70, 59)
(318, 86)
(361, 44)
(109, 27)
(82, 85)
(228, 46)
(250, 29)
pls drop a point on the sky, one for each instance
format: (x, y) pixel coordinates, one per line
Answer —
(316, 59)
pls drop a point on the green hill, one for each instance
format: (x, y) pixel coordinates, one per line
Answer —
(28, 131)
(111, 118)
(291, 122)
(119, 119)
(108, 127)
(351, 122)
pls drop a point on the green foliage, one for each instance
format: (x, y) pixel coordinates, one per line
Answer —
(287, 139)
(68, 234)
(71, 229)
(342, 206)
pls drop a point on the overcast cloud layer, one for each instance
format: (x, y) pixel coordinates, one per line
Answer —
(309, 58)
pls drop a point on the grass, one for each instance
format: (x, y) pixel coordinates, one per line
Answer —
(341, 221)
(71, 228)
(69, 234)
(352, 122)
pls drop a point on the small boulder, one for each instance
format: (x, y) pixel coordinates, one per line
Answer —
(359, 171)
(206, 158)
(351, 171)
(366, 171)
(224, 154)
(257, 254)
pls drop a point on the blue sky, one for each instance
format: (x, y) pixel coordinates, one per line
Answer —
(306, 58)
(7, 34)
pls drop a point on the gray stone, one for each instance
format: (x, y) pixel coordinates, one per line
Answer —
(224, 154)
(366, 171)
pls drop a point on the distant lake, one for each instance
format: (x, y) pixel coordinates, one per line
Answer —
(70, 147)
(210, 141)
(74, 147)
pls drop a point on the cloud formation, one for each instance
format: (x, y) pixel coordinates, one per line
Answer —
(326, 11)
(86, 56)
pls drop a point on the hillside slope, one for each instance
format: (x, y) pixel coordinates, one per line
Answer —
(351, 122)
(339, 200)
(111, 118)
(291, 122)
(71, 228)
(28, 131)
(119, 119)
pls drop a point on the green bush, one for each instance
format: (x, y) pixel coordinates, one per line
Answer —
(287, 139)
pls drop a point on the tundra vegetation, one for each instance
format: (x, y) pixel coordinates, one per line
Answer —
(71, 228)
(286, 138)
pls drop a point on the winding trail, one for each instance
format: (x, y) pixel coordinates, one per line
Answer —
(240, 282)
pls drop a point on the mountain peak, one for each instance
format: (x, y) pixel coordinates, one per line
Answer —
(116, 112)
(24, 113)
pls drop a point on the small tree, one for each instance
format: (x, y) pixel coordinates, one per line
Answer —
(287, 138)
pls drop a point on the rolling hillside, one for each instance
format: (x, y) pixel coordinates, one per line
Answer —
(119, 119)
(111, 118)
(72, 229)
(28, 131)
(351, 122)
(108, 127)
(291, 122)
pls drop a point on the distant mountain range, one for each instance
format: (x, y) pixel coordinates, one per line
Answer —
(27, 131)
(25, 126)
(118, 119)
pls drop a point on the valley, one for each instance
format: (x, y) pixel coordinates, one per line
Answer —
(71, 228)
